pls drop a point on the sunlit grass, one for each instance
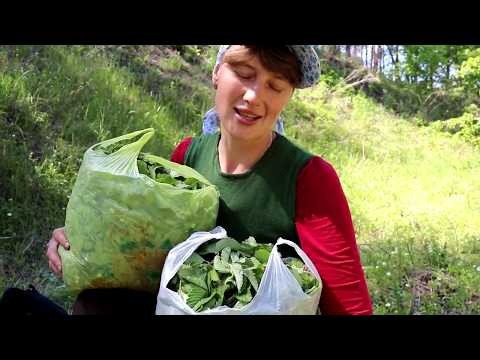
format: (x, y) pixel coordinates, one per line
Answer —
(414, 197)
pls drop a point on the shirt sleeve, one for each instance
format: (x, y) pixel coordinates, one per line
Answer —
(325, 229)
(178, 154)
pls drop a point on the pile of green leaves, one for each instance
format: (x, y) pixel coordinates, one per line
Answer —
(166, 176)
(155, 170)
(110, 149)
(227, 272)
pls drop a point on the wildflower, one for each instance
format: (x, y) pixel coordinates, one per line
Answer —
(388, 305)
(407, 285)
(384, 263)
(13, 135)
(9, 214)
(388, 273)
(478, 268)
(376, 266)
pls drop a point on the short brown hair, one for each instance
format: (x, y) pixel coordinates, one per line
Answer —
(277, 59)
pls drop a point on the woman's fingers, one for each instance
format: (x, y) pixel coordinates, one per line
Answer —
(55, 269)
(53, 257)
(59, 235)
(54, 261)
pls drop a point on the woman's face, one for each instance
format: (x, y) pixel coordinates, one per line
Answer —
(249, 98)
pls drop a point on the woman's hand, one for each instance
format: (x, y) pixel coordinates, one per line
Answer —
(54, 261)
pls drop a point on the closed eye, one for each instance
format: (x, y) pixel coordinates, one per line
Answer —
(243, 75)
(243, 71)
(276, 88)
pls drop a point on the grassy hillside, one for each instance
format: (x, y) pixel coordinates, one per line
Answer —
(414, 199)
(412, 190)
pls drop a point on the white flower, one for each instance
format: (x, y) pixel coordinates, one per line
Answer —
(407, 285)
(384, 263)
(478, 268)
(388, 273)
(9, 214)
(376, 266)
(388, 305)
(13, 135)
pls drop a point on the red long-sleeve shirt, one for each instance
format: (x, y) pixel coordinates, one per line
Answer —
(325, 229)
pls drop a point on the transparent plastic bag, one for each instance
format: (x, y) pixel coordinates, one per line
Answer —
(121, 224)
(278, 293)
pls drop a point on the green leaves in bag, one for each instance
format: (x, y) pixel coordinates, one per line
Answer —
(227, 272)
(121, 226)
(148, 166)
(166, 176)
(110, 149)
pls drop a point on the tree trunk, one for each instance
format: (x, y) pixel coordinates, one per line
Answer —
(367, 56)
(380, 56)
(393, 52)
(390, 51)
(376, 53)
(372, 58)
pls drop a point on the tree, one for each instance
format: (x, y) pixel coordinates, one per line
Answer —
(433, 66)
(470, 71)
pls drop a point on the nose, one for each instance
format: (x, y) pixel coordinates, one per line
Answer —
(252, 94)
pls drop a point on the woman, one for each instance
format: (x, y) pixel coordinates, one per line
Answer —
(269, 187)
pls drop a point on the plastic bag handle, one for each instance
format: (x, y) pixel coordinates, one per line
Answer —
(122, 161)
(185, 249)
(142, 141)
(300, 253)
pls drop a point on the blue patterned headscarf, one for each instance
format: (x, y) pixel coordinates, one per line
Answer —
(309, 67)
(307, 59)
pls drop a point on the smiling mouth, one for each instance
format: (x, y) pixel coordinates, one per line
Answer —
(247, 116)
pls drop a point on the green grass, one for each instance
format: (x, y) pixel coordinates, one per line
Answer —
(55, 102)
(412, 190)
(414, 200)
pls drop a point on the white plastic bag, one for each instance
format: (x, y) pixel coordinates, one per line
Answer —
(279, 293)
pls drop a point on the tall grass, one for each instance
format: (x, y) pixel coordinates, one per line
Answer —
(55, 101)
(413, 195)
